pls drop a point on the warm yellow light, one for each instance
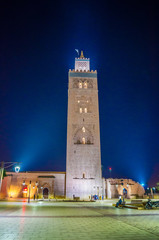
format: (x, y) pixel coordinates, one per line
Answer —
(85, 84)
(14, 191)
(83, 129)
(80, 85)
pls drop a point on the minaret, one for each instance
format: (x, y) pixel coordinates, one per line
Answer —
(83, 166)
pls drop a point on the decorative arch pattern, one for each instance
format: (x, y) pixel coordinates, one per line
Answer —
(83, 83)
(83, 136)
(83, 104)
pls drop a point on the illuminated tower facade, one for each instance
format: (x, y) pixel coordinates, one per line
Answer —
(83, 165)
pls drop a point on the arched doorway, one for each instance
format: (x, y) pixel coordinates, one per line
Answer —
(45, 193)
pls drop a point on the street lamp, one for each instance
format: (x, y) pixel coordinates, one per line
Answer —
(36, 189)
(4, 165)
(17, 169)
(29, 192)
(122, 190)
(2, 170)
(110, 170)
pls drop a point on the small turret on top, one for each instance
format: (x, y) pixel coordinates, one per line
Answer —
(82, 56)
(82, 63)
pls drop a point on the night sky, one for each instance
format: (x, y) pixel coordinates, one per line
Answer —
(37, 48)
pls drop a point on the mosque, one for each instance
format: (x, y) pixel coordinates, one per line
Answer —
(83, 177)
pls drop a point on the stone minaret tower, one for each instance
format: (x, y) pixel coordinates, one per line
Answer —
(83, 166)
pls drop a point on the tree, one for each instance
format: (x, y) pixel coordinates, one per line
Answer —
(4, 173)
(157, 186)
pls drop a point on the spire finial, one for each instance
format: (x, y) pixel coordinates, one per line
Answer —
(82, 56)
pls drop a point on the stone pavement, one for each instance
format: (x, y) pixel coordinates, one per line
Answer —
(76, 221)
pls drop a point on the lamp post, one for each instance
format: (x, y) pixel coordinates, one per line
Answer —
(29, 192)
(110, 170)
(2, 170)
(36, 189)
(125, 189)
(4, 165)
(122, 189)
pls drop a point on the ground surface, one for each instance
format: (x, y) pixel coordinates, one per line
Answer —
(96, 220)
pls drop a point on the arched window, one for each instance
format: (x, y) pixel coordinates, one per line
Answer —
(83, 140)
(80, 110)
(83, 136)
(84, 175)
(85, 84)
(80, 84)
(85, 110)
(83, 129)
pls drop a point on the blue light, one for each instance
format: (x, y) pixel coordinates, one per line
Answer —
(143, 184)
(17, 169)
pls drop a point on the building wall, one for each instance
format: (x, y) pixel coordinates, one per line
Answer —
(13, 187)
(114, 188)
(60, 184)
(15, 184)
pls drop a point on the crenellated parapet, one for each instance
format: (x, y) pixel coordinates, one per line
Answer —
(92, 71)
(82, 74)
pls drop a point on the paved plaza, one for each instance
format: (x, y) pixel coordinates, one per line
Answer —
(81, 220)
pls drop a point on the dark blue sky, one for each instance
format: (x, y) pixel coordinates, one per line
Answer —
(37, 43)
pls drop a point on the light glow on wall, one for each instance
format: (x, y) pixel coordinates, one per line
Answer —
(14, 191)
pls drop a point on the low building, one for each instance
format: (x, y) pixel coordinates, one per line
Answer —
(116, 187)
(50, 185)
(34, 184)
